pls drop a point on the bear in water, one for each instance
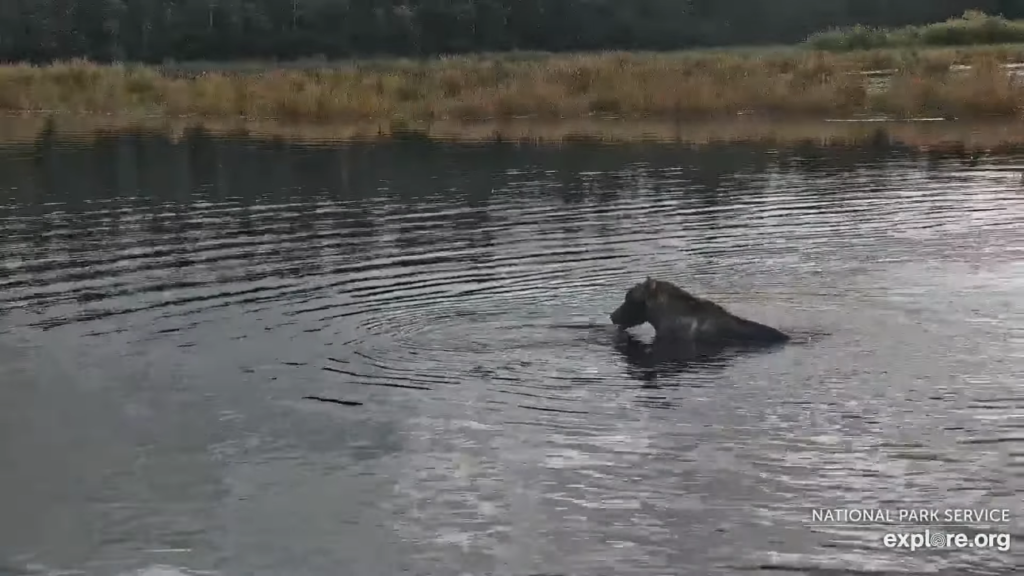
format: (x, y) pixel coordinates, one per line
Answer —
(678, 315)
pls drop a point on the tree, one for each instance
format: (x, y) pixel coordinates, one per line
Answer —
(155, 30)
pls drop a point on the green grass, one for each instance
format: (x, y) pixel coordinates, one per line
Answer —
(973, 28)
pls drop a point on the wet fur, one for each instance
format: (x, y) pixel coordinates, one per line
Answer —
(675, 313)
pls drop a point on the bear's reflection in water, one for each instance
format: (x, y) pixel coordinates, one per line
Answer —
(661, 357)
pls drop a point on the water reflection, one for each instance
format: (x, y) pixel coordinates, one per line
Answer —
(660, 358)
(166, 305)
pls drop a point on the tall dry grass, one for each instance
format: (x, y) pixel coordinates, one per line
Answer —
(682, 85)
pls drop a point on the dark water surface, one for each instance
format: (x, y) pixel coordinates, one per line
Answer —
(165, 307)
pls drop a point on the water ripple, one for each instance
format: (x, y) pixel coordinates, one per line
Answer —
(454, 302)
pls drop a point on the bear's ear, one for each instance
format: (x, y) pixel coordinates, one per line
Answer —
(650, 283)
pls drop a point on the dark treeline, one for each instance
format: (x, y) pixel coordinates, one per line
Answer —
(159, 30)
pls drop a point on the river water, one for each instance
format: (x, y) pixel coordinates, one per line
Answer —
(165, 306)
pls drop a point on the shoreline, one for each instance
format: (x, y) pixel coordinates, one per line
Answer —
(933, 133)
(798, 84)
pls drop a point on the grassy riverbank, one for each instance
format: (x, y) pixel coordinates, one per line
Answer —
(36, 131)
(789, 83)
